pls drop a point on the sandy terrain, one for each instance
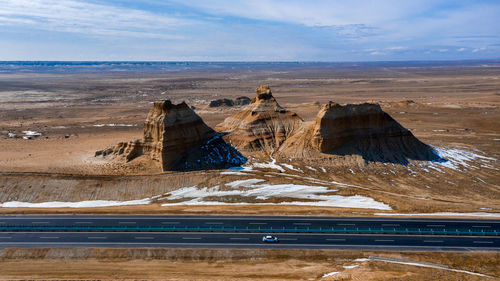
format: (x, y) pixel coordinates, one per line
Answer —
(455, 109)
(212, 264)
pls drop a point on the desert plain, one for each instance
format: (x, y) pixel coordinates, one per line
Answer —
(52, 123)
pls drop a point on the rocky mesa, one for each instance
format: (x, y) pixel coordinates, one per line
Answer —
(263, 125)
(359, 129)
(178, 139)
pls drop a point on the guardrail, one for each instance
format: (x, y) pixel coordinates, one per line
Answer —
(346, 230)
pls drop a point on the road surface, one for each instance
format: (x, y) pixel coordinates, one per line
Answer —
(247, 232)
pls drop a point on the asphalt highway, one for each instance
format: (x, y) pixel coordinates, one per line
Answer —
(247, 232)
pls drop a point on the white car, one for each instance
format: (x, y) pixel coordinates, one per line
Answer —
(270, 239)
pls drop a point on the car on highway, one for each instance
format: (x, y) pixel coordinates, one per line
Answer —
(270, 239)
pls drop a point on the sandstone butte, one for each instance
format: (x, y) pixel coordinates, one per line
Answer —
(178, 139)
(358, 129)
(262, 126)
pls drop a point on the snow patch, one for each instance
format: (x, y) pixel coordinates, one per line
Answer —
(81, 204)
(32, 133)
(350, 266)
(290, 167)
(269, 165)
(444, 214)
(114, 125)
(247, 182)
(311, 168)
(264, 191)
(330, 274)
(459, 159)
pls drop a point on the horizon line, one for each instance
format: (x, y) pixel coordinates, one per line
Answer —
(255, 61)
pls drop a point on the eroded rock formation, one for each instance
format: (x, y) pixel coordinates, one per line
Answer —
(221, 102)
(177, 138)
(241, 101)
(360, 129)
(262, 125)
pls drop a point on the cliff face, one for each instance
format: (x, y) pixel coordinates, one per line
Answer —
(262, 125)
(360, 129)
(171, 130)
(177, 138)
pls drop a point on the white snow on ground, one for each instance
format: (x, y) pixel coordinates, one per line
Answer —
(81, 204)
(459, 159)
(350, 266)
(32, 133)
(311, 168)
(361, 260)
(330, 274)
(247, 182)
(114, 125)
(444, 214)
(265, 191)
(291, 167)
(269, 165)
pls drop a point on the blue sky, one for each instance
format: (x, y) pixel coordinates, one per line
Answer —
(251, 30)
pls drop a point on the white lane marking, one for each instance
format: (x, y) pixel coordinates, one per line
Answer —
(390, 224)
(433, 241)
(39, 222)
(96, 237)
(485, 226)
(49, 237)
(127, 222)
(288, 239)
(83, 222)
(144, 238)
(191, 238)
(435, 225)
(208, 222)
(384, 240)
(301, 223)
(483, 242)
(257, 223)
(330, 239)
(170, 222)
(346, 224)
(239, 238)
(5, 237)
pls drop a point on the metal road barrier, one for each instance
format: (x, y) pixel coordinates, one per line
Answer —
(345, 230)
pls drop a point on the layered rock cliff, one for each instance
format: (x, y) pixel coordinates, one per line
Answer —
(359, 129)
(262, 125)
(177, 138)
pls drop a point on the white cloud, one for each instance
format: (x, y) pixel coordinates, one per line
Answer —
(461, 50)
(478, 49)
(377, 53)
(397, 48)
(314, 13)
(80, 17)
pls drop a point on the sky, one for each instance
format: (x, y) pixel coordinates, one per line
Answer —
(249, 30)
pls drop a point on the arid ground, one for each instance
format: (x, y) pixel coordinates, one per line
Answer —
(454, 108)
